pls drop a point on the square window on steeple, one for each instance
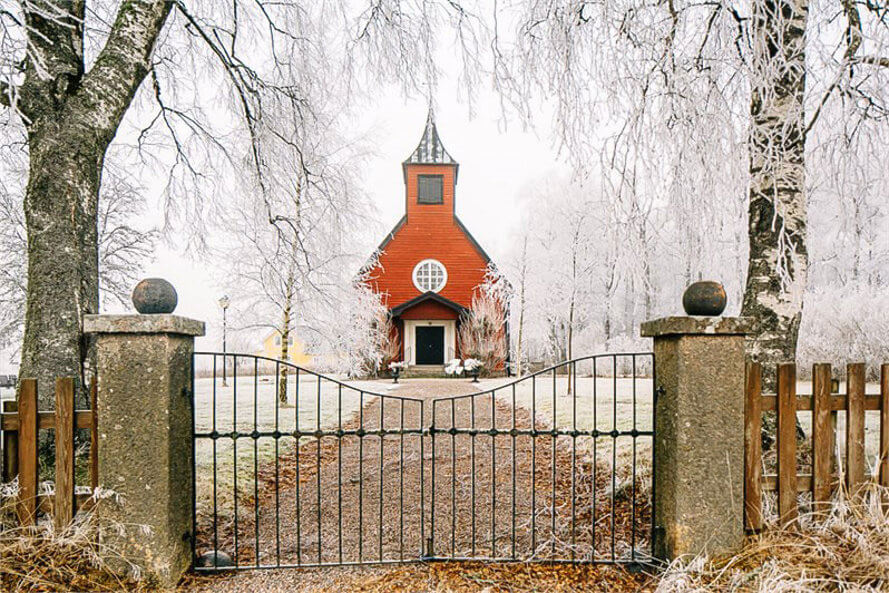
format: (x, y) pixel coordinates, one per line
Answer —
(429, 189)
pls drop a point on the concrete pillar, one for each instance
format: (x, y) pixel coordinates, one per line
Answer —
(146, 437)
(699, 435)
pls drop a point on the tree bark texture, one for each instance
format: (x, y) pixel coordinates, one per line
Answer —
(71, 116)
(285, 336)
(778, 259)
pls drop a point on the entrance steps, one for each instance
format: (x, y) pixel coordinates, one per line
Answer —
(424, 371)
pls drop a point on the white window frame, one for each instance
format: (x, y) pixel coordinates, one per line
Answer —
(444, 270)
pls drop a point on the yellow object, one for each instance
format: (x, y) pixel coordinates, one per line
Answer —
(271, 348)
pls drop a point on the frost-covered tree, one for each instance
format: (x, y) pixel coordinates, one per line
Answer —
(361, 340)
(567, 245)
(124, 247)
(585, 275)
(182, 80)
(518, 268)
(293, 250)
(845, 308)
(711, 102)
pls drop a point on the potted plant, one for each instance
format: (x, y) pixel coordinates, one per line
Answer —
(395, 368)
(473, 368)
(454, 368)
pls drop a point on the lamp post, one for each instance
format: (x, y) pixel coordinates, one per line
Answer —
(224, 303)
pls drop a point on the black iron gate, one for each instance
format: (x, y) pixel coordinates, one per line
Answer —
(293, 468)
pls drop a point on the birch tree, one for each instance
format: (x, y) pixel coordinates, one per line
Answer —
(290, 257)
(72, 71)
(519, 271)
(565, 246)
(692, 87)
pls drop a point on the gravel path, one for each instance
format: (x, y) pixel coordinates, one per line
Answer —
(344, 500)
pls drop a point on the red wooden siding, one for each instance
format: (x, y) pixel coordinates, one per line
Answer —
(448, 186)
(430, 232)
(430, 310)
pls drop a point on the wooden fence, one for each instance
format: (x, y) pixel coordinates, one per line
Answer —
(826, 469)
(20, 424)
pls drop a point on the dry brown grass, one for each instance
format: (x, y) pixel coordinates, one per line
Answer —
(41, 559)
(846, 549)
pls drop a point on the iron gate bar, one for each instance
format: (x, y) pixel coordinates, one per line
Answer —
(214, 435)
(277, 466)
(513, 480)
(296, 448)
(562, 432)
(613, 456)
(615, 433)
(533, 461)
(339, 474)
(633, 533)
(595, 468)
(553, 465)
(361, 483)
(235, 449)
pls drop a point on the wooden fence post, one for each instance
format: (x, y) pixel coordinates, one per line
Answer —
(94, 436)
(10, 459)
(27, 470)
(753, 448)
(823, 436)
(63, 505)
(884, 425)
(854, 426)
(787, 507)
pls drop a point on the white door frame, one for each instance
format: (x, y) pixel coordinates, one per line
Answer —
(410, 337)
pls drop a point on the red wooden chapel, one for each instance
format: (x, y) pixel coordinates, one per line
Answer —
(429, 265)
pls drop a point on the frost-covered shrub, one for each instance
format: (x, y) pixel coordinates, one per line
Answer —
(842, 325)
(481, 333)
(363, 338)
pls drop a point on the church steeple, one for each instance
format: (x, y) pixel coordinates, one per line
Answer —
(430, 174)
(430, 150)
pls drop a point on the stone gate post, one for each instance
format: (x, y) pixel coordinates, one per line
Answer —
(699, 435)
(144, 365)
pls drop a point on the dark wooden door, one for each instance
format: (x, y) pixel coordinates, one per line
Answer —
(430, 345)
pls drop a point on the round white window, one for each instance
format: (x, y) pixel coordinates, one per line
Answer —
(430, 275)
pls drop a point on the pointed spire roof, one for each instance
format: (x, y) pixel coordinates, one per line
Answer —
(430, 150)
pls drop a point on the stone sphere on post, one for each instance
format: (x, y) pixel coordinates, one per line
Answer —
(705, 298)
(154, 296)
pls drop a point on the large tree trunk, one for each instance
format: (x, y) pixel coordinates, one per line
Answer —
(609, 295)
(778, 260)
(61, 205)
(71, 117)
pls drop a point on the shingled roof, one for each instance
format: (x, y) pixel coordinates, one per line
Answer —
(430, 150)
